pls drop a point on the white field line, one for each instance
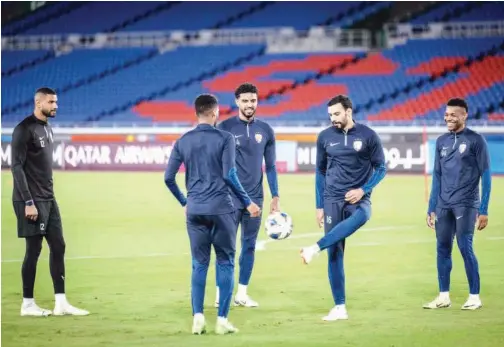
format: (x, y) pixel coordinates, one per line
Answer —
(262, 243)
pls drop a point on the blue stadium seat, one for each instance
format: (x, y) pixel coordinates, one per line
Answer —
(92, 82)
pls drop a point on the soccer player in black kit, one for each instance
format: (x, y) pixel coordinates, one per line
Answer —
(35, 206)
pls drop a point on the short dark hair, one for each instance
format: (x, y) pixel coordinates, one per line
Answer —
(205, 103)
(245, 88)
(458, 102)
(46, 91)
(341, 99)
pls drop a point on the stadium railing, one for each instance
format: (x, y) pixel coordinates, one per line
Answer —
(317, 36)
(399, 33)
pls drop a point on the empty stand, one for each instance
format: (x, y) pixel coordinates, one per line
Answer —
(378, 82)
(409, 82)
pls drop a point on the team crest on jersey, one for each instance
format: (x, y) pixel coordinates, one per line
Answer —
(462, 147)
(357, 145)
(258, 137)
(443, 152)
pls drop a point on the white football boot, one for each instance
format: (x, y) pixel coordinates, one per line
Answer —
(199, 325)
(245, 301)
(32, 309)
(441, 301)
(62, 309)
(224, 326)
(308, 253)
(473, 303)
(338, 312)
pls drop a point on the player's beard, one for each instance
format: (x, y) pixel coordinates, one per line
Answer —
(49, 114)
(340, 125)
(248, 115)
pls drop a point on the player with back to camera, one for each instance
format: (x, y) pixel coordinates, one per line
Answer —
(255, 141)
(350, 163)
(208, 155)
(35, 205)
(461, 160)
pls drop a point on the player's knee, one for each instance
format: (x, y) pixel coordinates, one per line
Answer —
(249, 245)
(200, 264)
(227, 262)
(335, 253)
(444, 248)
(33, 250)
(465, 248)
(62, 247)
(225, 258)
(58, 249)
(365, 209)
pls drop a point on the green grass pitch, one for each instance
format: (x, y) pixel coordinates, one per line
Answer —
(128, 263)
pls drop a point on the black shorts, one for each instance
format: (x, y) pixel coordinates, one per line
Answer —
(48, 221)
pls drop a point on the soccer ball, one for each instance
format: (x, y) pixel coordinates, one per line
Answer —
(278, 225)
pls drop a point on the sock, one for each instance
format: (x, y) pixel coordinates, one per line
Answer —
(225, 280)
(341, 307)
(60, 299)
(217, 294)
(474, 296)
(242, 290)
(198, 283)
(199, 316)
(444, 295)
(221, 320)
(28, 301)
(343, 229)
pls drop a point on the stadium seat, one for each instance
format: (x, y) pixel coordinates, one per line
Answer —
(408, 82)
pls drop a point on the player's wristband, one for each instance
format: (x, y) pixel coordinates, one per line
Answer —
(29, 203)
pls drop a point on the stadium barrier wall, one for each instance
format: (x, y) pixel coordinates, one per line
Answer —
(407, 150)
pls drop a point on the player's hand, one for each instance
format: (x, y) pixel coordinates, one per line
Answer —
(320, 217)
(354, 195)
(275, 205)
(431, 220)
(254, 210)
(482, 222)
(185, 209)
(31, 212)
